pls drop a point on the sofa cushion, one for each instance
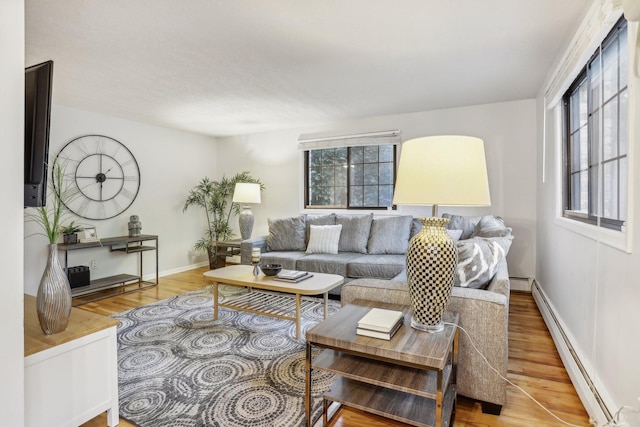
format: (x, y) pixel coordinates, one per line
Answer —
(376, 266)
(465, 223)
(416, 226)
(478, 260)
(491, 226)
(286, 258)
(389, 235)
(286, 234)
(355, 232)
(329, 219)
(324, 239)
(327, 263)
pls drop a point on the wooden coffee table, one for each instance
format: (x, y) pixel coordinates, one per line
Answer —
(281, 305)
(411, 378)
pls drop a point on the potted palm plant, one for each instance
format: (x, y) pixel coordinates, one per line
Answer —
(214, 197)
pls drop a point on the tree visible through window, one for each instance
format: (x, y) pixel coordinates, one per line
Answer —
(595, 149)
(350, 177)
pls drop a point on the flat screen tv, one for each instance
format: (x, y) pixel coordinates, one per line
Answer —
(37, 114)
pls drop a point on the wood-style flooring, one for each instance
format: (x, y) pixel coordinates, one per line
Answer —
(534, 365)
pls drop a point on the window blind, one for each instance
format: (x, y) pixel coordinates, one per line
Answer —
(308, 142)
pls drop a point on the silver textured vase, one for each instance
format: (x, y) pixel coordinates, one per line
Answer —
(53, 301)
(431, 262)
(245, 221)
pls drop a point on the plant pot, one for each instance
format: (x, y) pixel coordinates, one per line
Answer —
(53, 301)
(70, 238)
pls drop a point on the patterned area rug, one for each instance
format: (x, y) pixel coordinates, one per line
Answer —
(179, 368)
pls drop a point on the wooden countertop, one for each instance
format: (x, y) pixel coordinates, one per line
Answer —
(81, 323)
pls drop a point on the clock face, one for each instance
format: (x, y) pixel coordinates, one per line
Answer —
(101, 177)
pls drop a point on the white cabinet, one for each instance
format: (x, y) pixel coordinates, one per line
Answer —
(72, 376)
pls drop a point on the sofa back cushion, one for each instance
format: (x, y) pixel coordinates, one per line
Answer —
(461, 222)
(355, 232)
(491, 226)
(389, 235)
(286, 234)
(329, 219)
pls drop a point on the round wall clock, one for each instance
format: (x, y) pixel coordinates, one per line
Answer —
(101, 176)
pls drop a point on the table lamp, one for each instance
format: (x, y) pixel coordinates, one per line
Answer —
(245, 193)
(438, 170)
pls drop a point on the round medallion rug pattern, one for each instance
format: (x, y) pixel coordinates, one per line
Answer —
(178, 367)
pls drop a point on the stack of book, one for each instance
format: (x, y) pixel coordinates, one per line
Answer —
(292, 276)
(380, 323)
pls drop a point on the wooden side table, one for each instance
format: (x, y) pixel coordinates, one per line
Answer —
(226, 248)
(411, 378)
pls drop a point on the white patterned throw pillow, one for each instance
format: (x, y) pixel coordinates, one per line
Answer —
(324, 239)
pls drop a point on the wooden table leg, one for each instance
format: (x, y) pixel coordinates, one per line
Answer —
(297, 316)
(215, 300)
(326, 302)
(307, 393)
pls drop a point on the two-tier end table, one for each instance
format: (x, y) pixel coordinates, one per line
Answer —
(410, 378)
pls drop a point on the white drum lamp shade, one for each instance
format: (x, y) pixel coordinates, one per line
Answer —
(439, 170)
(246, 193)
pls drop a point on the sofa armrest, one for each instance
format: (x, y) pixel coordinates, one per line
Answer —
(484, 314)
(247, 245)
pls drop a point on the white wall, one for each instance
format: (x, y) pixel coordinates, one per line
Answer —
(11, 184)
(593, 287)
(171, 162)
(508, 130)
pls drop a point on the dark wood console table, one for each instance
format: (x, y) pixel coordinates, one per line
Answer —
(122, 244)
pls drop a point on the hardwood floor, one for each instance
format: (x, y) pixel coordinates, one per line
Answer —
(534, 365)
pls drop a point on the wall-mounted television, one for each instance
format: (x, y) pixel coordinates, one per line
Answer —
(37, 114)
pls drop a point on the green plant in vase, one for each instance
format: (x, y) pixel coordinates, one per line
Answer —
(53, 301)
(70, 233)
(214, 197)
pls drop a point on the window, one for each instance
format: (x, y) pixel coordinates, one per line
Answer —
(595, 137)
(359, 177)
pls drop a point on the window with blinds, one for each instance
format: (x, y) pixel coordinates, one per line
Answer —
(350, 172)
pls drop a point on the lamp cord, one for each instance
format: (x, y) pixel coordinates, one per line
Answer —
(517, 386)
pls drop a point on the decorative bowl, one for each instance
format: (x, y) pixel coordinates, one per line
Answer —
(271, 269)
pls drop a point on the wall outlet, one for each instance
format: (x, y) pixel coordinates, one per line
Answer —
(94, 264)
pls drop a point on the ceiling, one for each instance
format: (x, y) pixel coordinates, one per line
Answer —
(221, 67)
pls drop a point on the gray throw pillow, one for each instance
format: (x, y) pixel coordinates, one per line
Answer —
(478, 260)
(465, 223)
(286, 234)
(355, 232)
(416, 226)
(389, 235)
(491, 226)
(329, 219)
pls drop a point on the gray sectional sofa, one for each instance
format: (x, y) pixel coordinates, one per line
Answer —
(368, 247)
(372, 259)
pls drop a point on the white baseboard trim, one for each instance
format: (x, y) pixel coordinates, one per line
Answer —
(152, 276)
(521, 284)
(591, 391)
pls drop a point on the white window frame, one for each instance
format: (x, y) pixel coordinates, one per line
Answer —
(599, 21)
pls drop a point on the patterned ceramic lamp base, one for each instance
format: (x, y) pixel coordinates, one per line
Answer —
(431, 263)
(245, 220)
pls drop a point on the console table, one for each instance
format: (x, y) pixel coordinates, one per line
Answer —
(123, 244)
(411, 378)
(72, 376)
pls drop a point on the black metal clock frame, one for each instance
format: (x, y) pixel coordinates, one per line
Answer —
(101, 176)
